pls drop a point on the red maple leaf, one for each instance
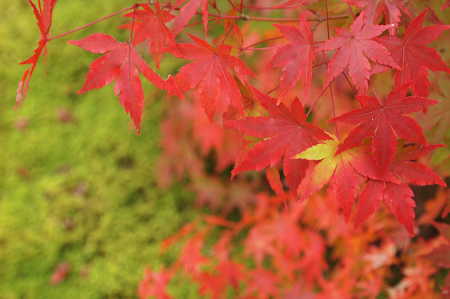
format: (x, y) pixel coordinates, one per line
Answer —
(263, 283)
(444, 229)
(259, 243)
(391, 9)
(227, 273)
(403, 170)
(155, 284)
(384, 123)
(413, 56)
(391, 186)
(446, 5)
(354, 50)
(191, 257)
(440, 256)
(122, 64)
(279, 233)
(296, 58)
(397, 198)
(188, 11)
(43, 14)
(212, 136)
(149, 26)
(286, 133)
(210, 74)
(334, 168)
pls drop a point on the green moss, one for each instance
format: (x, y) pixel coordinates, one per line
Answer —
(80, 191)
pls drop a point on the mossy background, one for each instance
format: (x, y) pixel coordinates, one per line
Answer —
(76, 182)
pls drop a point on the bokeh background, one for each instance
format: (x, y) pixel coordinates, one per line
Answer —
(77, 187)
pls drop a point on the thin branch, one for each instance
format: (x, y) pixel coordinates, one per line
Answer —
(327, 19)
(279, 7)
(244, 17)
(320, 64)
(333, 107)
(348, 81)
(231, 3)
(251, 46)
(260, 42)
(121, 11)
(273, 89)
(330, 87)
(259, 49)
(277, 20)
(314, 101)
(241, 17)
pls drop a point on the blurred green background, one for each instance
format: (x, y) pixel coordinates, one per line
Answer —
(76, 182)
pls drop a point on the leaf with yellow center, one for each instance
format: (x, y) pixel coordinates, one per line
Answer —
(333, 169)
(324, 170)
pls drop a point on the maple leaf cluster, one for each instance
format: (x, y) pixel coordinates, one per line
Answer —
(302, 102)
(295, 254)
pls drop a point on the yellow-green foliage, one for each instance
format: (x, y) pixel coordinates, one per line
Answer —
(81, 191)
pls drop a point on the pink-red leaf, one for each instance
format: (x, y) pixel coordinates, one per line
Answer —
(211, 76)
(285, 131)
(187, 12)
(122, 64)
(43, 13)
(413, 56)
(391, 9)
(403, 170)
(354, 49)
(334, 168)
(396, 197)
(369, 201)
(440, 256)
(155, 284)
(296, 58)
(149, 25)
(384, 123)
